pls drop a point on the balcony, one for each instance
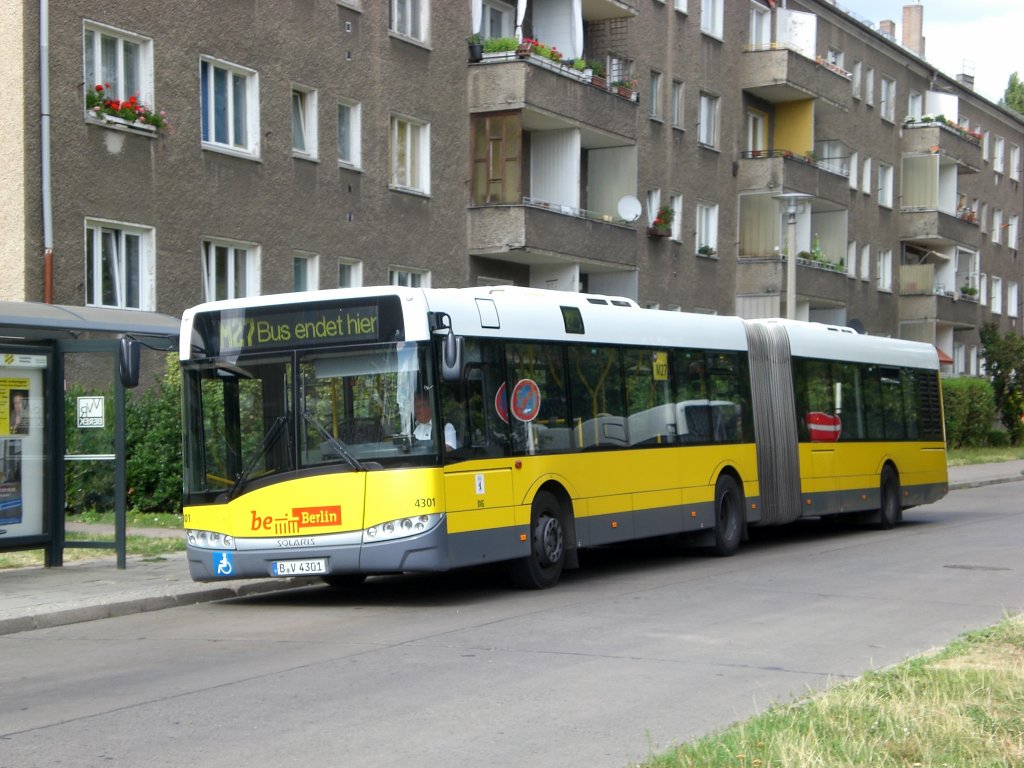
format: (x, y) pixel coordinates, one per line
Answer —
(778, 74)
(938, 136)
(503, 82)
(780, 168)
(937, 229)
(537, 232)
(923, 296)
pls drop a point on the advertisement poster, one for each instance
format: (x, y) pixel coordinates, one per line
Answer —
(21, 445)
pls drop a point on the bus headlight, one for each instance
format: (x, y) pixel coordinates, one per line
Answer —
(397, 529)
(209, 540)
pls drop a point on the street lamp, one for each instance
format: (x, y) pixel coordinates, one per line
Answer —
(792, 203)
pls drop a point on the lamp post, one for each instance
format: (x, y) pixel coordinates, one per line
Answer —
(792, 203)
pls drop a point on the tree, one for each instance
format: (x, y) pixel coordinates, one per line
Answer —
(1014, 96)
(1004, 361)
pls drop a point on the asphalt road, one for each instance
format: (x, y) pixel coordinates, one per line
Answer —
(644, 647)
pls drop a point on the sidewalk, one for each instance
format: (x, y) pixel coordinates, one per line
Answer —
(35, 598)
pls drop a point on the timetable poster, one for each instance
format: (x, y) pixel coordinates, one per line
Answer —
(22, 460)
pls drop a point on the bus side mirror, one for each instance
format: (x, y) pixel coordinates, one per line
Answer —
(128, 357)
(451, 357)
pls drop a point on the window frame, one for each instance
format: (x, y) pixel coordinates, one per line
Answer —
(417, 25)
(355, 271)
(409, 277)
(885, 184)
(679, 104)
(887, 98)
(251, 257)
(95, 265)
(119, 83)
(311, 269)
(706, 228)
(713, 10)
(307, 114)
(654, 110)
(709, 105)
(416, 149)
(354, 159)
(250, 148)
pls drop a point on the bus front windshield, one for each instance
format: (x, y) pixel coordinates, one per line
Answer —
(305, 412)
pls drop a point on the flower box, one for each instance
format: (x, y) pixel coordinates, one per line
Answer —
(137, 125)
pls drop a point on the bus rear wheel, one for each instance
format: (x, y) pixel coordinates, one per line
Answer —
(543, 566)
(728, 517)
(889, 512)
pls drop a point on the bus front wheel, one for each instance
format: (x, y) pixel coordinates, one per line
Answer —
(543, 566)
(728, 517)
(889, 512)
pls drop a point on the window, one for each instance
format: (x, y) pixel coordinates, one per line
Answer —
(885, 184)
(851, 258)
(986, 145)
(707, 129)
(757, 133)
(997, 226)
(410, 278)
(1011, 298)
(997, 295)
(120, 265)
(350, 273)
(855, 79)
(409, 18)
(865, 263)
(410, 155)
(997, 154)
(760, 26)
(869, 86)
(887, 99)
(677, 104)
(654, 96)
(854, 177)
(230, 108)
(707, 229)
(1013, 232)
(983, 218)
(304, 122)
(711, 17)
(230, 270)
(915, 104)
(983, 288)
(885, 270)
(676, 204)
(497, 20)
(121, 62)
(350, 134)
(1015, 162)
(680, 5)
(866, 177)
(305, 271)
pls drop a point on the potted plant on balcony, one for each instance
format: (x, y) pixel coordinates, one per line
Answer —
(476, 48)
(968, 290)
(707, 250)
(662, 224)
(130, 113)
(624, 88)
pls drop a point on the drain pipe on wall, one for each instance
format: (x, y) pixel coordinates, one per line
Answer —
(44, 123)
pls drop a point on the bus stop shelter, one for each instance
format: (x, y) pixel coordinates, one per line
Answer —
(48, 352)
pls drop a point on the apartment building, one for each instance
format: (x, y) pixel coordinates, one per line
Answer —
(635, 147)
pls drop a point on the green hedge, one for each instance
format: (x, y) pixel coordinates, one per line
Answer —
(970, 410)
(153, 442)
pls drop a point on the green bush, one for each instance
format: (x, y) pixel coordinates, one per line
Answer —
(998, 438)
(970, 410)
(153, 449)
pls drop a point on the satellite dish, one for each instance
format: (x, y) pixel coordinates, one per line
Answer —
(629, 208)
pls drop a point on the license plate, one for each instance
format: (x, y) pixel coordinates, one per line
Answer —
(300, 567)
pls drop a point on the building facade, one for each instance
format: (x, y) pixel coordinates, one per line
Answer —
(632, 147)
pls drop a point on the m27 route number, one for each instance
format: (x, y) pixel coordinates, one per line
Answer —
(425, 502)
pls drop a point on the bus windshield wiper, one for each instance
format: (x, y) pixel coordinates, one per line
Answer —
(336, 445)
(268, 439)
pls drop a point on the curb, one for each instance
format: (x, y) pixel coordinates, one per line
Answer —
(146, 603)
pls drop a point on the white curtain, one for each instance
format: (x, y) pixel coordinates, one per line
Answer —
(577, 29)
(520, 15)
(476, 10)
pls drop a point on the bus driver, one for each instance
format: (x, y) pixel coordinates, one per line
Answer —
(424, 423)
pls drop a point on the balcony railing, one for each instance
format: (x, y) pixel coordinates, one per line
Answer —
(942, 122)
(579, 213)
(563, 69)
(829, 164)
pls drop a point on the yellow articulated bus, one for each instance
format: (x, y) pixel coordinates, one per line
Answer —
(385, 430)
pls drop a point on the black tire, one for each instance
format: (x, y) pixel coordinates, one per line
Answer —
(728, 517)
(344, 580)
(889, 511)
(543, 567)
